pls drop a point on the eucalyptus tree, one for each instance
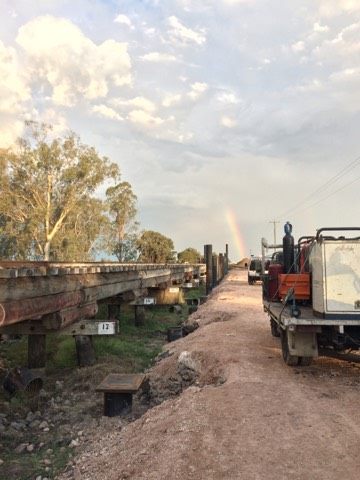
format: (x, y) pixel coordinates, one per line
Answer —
(155, 247)
(121, 202)
(48, 194)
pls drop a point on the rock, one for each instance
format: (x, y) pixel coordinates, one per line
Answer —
(30, 417)
(39, 477)
(43, 395)
(74, 443)
(41, 444)
(17, 425)
(49, 451)
(30, 448)
(46, 429)
(59, 385)
(185, 360)
(1, 461)
(46, 461)
(21, 448)
(80, 433)
(35, 424)
(43, 425)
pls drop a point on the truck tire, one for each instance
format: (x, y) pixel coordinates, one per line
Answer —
(305, 361)
(274, 328)
(290, 360)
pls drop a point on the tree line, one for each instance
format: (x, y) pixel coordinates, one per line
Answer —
(61, 201)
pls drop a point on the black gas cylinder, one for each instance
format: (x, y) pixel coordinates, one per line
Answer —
(288, 249)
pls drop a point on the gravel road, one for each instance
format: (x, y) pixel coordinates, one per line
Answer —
(246, 415)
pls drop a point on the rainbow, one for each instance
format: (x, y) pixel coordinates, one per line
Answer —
(236, 233)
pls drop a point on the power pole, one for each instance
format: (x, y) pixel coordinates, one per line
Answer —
(274, 222)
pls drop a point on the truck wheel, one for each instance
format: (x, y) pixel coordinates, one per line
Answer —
(305, 361)
(274, 328)
(291, 360)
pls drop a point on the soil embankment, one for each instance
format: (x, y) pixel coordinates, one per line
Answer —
(227, 407)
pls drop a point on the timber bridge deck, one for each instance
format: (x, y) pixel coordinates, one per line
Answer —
(58, 294)
(40, 298)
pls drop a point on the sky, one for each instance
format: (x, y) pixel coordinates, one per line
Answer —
(224, 115)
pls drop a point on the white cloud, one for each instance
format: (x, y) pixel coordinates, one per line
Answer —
(107, 112)
(14, 90)
(123, 20)
(179, 33)
(228, 98)
(320, 28)
(9, 131)
(158, 57)
(144, 119)
(80, 68)
(298, 46)
(141, 103)
(197, 89)
(228, 122)
(333, 8)
(171, 99)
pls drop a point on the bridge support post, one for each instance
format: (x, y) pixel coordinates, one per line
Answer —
(84, 350)
(36, 351)
(113, 311)
(215, 270)
(221, 266)
(208, 261)
(226, 259)
(139, 315)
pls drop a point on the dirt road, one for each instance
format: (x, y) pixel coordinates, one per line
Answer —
(245, 415)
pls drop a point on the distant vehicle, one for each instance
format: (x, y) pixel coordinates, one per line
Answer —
(254, 271)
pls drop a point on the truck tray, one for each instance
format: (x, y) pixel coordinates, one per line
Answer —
(283, 316)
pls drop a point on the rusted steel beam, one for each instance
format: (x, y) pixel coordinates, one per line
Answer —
(12, 312)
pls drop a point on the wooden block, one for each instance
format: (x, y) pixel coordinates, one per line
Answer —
(121, 383)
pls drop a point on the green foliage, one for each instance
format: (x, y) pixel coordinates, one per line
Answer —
(122, 236)
(155, 248)
(189, 255)
(47, 192)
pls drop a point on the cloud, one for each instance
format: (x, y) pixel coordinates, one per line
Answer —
(332, 8)
(228, 122)
(158, 57)
(184, 35)
(107, 112)
(144, 119)
(171, 99)
(141, 103)
(320, 28)
(124, 20)
(197, 89)
(80, 68)
(14, 90)
(298, 46)
(227, 98)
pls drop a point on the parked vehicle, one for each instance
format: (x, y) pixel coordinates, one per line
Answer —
(313, 296)
(254, 270)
